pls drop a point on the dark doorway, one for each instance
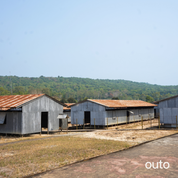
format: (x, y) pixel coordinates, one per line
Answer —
(128, 115)
(87, 117)
(44, 120)
(60, 122)
(155, 113)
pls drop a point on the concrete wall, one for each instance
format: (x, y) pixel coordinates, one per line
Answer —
(31, 114)
(97, 112)
(13, 123)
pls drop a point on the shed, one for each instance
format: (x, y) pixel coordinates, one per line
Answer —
(25, 114)
(110, 111)
(168, 110)
(67, 110)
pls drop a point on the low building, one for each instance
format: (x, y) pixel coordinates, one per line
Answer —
(25, 114)
(168, 111)
(110, 112)
(67, 110)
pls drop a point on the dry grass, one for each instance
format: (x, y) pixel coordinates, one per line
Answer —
(15, 138)
(20, 159)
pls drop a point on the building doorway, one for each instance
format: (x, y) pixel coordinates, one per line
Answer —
(44, 120)
(87, 117)
(128, 117)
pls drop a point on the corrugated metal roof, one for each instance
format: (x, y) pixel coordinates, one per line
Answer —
(68, 106)
(13, 101)
(157, 102)
(65, 108)
(122, 103)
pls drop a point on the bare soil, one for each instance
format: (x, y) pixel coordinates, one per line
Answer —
(135, 136)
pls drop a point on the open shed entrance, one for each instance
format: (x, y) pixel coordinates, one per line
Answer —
(44, 120)
(128, 116)
(87, 117)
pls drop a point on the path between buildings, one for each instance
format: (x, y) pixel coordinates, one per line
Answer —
(127, 163)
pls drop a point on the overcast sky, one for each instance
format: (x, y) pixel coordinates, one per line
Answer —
(106, 39)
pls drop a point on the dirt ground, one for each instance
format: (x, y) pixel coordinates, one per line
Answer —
(132, 132)
(147, 124)
(135, 136)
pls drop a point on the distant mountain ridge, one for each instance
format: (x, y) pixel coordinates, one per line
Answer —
(80, 88)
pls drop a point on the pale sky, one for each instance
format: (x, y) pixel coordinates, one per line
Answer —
(106, 39)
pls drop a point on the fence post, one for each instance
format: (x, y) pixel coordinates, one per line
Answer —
(142, 122)
(117, 121)
(176, 122)
(76, 125)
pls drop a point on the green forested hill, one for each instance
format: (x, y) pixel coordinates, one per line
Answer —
(80, 88)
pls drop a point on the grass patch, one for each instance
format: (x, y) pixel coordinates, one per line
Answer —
(22, 159)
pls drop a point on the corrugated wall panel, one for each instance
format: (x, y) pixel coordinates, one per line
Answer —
(31, 114)
(13, 123)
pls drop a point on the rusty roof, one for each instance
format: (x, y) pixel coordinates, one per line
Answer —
(119, 103)
(122, 103)
(68, 106)
(13, 101)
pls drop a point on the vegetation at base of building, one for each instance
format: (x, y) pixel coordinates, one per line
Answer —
(73, 89)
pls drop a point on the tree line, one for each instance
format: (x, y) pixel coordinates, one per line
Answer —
(73, 89)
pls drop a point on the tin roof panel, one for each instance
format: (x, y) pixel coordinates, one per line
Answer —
(13, 101)
(122, 103)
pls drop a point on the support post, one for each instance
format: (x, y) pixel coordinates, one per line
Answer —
(176, 122)
(117, 121)
(142, 122)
